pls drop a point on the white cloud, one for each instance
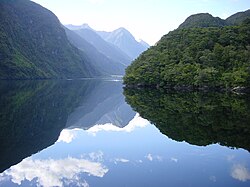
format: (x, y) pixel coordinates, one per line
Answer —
(96, 156)
(121, 160)
(136, 122)
(67, 135)
(174, 159)
(240, 173)
(149, 157)
(54, 172)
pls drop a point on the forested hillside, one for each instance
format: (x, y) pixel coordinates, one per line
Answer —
(196, 56)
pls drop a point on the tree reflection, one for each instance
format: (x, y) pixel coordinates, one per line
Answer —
(197, 118)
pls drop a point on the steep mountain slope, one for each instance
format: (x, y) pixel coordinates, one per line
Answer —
(102, 46)
(34, 45)
(196, 57)
(125, 41)
(101, 62)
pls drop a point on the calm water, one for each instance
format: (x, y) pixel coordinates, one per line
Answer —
(84, 133)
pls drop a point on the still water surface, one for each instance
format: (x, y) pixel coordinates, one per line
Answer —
(83, 133)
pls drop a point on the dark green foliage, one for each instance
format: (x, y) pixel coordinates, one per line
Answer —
(201, 57)
(33, 44)
(197, 118)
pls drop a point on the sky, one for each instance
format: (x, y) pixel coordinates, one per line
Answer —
(145, 19)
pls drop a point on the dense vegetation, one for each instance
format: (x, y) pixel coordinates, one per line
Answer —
(33, 44)
(196, 117)
(201, 53)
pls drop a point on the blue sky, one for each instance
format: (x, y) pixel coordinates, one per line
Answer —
(145, 19)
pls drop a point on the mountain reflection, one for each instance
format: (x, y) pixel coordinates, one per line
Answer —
(197, 118)
(33, 113)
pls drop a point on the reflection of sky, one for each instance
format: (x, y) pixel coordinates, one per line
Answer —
(137, 155)
(52, 172)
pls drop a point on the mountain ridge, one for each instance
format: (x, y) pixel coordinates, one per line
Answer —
(33, 45)
(202, 20)
(101, 62)
(124, 40)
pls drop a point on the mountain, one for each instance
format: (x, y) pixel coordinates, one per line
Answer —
(125, 41)
(197, 55)
(33, 44)
(238, 18)
(104, 47)
(102, 63)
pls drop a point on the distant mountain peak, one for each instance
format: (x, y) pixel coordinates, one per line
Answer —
(78, 27)
(145, 44)
(125, 41)
(122, 31)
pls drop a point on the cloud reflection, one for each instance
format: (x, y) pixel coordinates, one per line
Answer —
(123, 160)
(67, 135)
(150, 157)
(240, 173)
(137, 121)
(52, 172)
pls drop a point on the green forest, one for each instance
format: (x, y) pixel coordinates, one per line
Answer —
(197, 56)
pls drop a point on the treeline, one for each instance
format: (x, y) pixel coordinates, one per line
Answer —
(217, 57)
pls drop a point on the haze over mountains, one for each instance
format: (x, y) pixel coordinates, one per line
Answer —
(125, 41)
(121, 38)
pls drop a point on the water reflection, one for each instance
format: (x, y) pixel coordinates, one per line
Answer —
(104, 143)
(105, 104)
(33, 113)
(51, 172)
(240, 172)
(197, 118)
